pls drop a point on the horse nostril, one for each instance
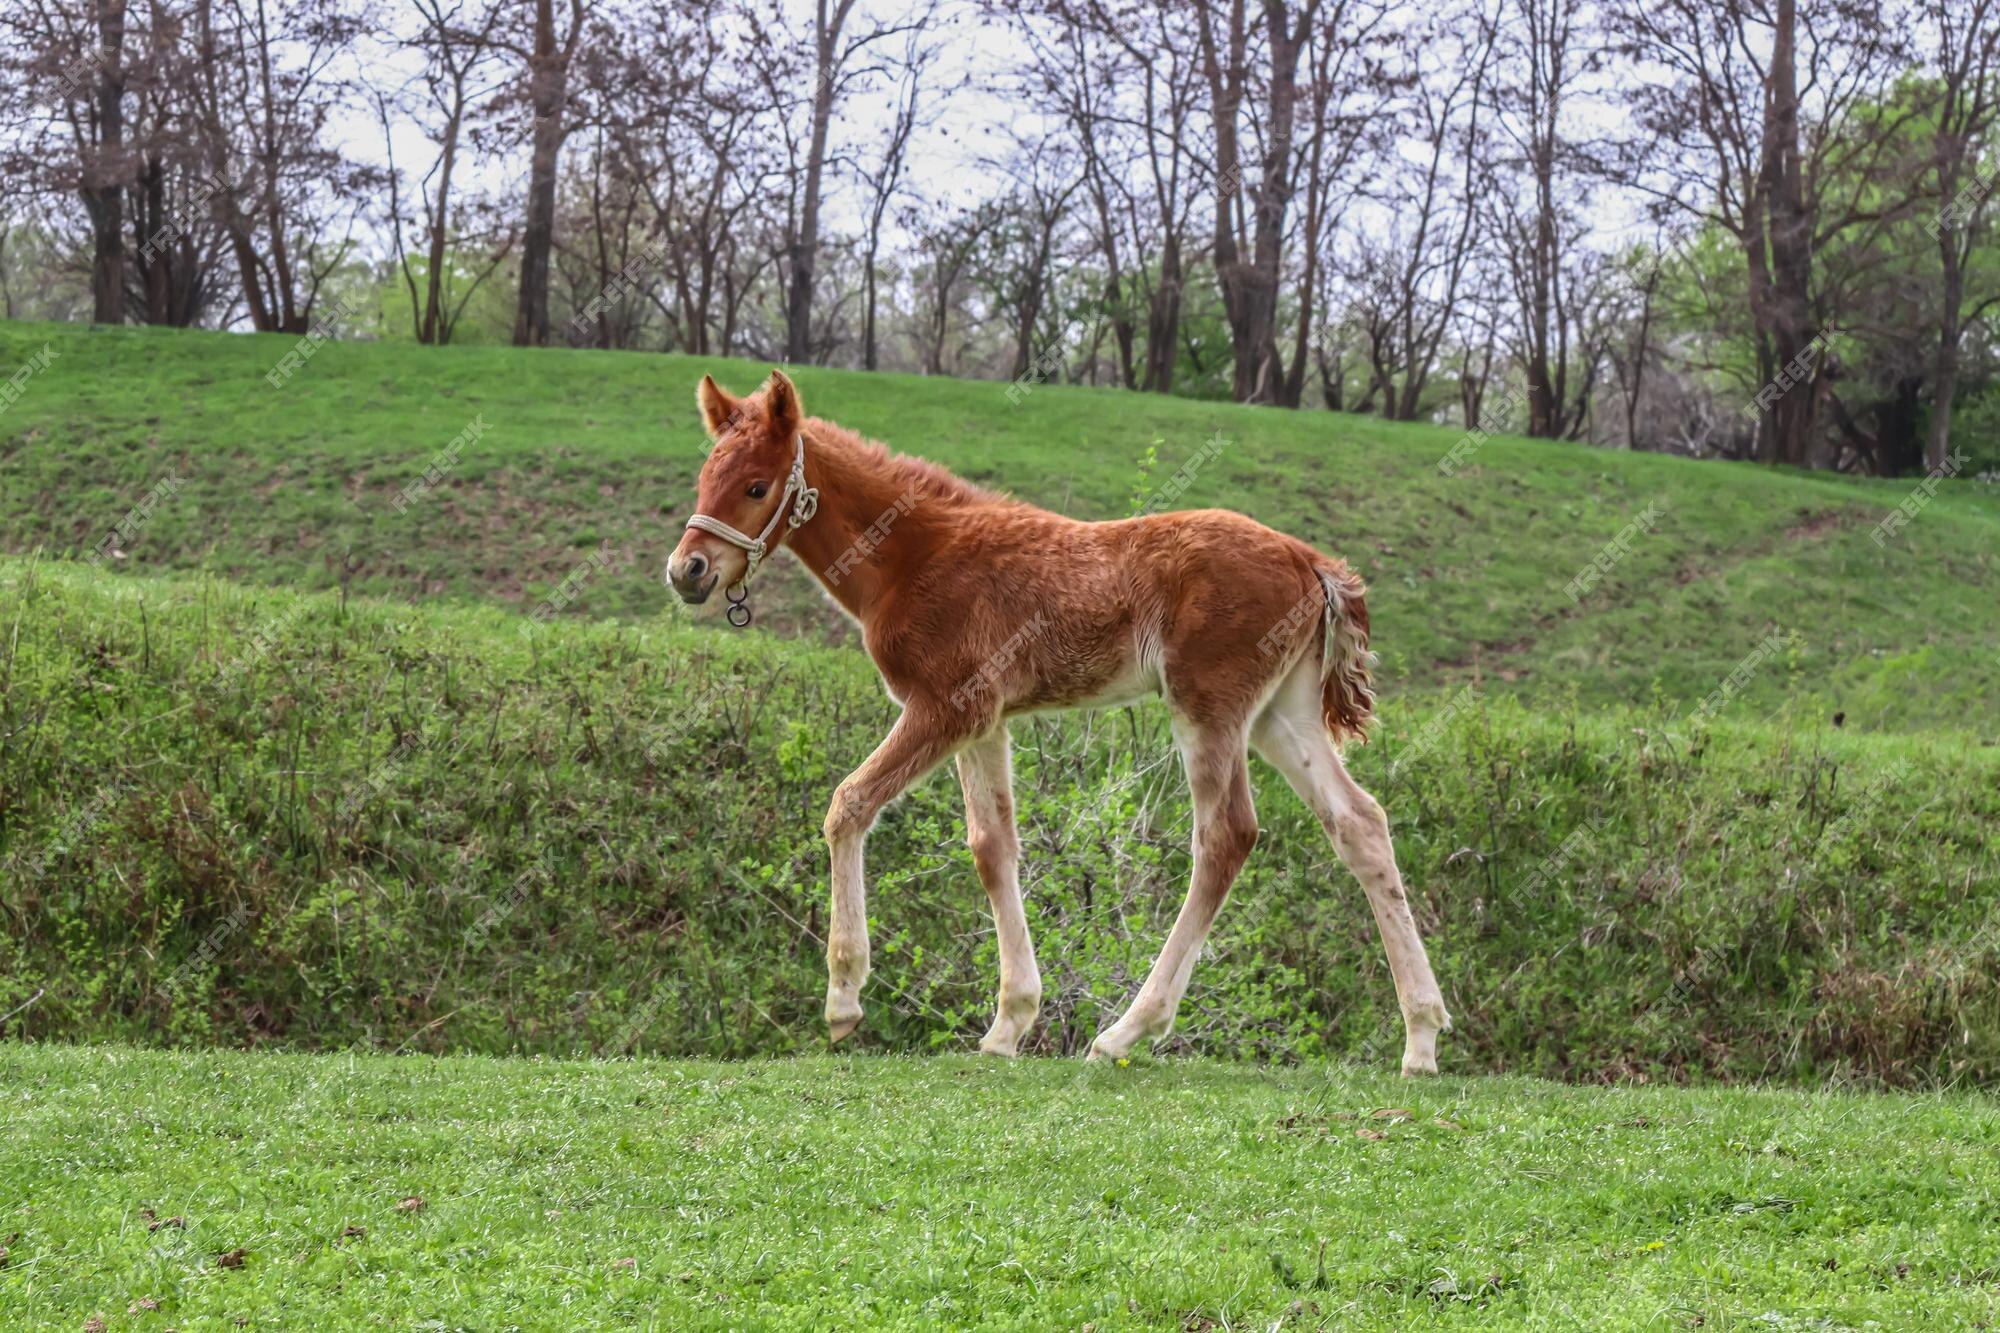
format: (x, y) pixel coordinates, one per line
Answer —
(696, 566)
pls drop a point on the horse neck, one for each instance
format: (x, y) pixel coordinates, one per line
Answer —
(869, 529)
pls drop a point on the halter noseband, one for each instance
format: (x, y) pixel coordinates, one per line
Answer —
(799, 503)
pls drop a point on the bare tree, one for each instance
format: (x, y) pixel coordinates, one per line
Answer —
(883, 174)
(458, 71)
(1344, 97)
(1127, 81)
(69, 66)
(1967, 38)
(1437, 202)
(949, 244)
(837, 56)
(1544, 57)
(1045, 178)
(1733, 144)
(261, 91)
(547, 57)
(1248, 251)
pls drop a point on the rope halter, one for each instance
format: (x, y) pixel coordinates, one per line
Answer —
(798, 504)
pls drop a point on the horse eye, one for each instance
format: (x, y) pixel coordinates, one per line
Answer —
(758, 490)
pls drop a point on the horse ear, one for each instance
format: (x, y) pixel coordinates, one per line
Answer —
(717, 407)
(782, 402)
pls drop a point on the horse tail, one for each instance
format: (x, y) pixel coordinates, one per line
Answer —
(1347, 700)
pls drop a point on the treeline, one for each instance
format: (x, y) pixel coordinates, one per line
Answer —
(1726, 228)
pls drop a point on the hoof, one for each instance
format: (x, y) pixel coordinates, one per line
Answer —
(838, 1031)
(1103, 1050)
(1419, 1068)
(1001, 1045)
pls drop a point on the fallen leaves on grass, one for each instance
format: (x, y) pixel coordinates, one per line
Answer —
(94, 1324)
(232, 1259)
(413, 1204)
(142, 1304)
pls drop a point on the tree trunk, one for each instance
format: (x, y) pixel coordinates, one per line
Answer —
(547, 91)
(804, 250)
(1785, 433)
(868, 307)
(102, 185)
(433, 330)
(1250, 288)
(1163, 319)
(1944, 374)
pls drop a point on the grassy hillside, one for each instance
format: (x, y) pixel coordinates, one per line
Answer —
(235, 816)
(297, 483)
(461, 1193)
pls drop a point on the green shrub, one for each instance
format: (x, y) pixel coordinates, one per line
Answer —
(231, 817)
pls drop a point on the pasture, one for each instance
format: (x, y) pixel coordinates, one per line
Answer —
(390, 758)
(953, 1191)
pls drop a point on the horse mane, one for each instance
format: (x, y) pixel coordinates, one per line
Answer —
(918, 476)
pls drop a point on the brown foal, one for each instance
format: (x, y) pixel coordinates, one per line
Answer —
(978, 608)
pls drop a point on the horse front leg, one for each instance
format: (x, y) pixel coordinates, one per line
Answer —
(985, 776)
(919, 740)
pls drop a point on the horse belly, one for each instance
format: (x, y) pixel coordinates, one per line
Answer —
(1130, 675)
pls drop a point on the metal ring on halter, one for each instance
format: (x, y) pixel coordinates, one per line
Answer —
(738, 598)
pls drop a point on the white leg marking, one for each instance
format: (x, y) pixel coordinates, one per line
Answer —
(985, 776)
(1292, 737)
(911, 749)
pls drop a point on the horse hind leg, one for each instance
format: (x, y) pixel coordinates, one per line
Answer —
(1225, 829)
(984, 775)
(1291, 736)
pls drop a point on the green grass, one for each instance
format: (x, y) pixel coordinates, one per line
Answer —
(888, 1193)
(236, 816)
(584, 450)
(396, 817)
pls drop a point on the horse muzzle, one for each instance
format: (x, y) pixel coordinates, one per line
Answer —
(693, 576)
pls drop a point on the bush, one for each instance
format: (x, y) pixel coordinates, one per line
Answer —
(232, 817)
